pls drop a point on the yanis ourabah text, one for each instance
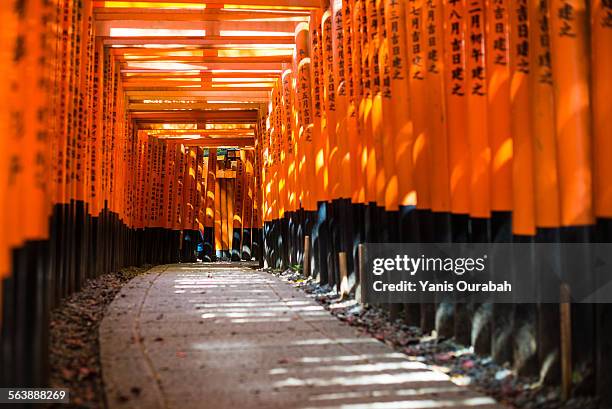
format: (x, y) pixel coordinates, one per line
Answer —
(428, 286)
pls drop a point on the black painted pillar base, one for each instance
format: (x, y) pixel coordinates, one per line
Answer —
(583, 315)
(409, 233)
(236, 243)
(320, 243)
(603, 327)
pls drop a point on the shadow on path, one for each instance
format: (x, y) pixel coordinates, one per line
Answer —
(226, 336)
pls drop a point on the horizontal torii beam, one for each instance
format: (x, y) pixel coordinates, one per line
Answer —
(206, 59)
(153, 74)
(206, 133)
(194, 106)
(104, 28)
(212, 40)
(205, 15)
(259, 101)
(246, 96)
(235, 116)
(279, 4)
(204, 86)
(214, 143)
(164, 66)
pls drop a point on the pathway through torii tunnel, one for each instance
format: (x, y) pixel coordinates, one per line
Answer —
(377, 204)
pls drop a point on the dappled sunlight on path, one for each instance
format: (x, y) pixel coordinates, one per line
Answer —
(185, 336)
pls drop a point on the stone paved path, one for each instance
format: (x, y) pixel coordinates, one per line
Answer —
(226, 336)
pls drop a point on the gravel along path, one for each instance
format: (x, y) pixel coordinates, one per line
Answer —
(74, 349)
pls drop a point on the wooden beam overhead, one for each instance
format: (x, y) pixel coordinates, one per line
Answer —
(260, 101)
(234, 116)
(107, 28)
(205, 15)
(164, 66)
(153, 107)
(219, 51)
(215, 143)
(223, 76)
(201, 41)
(198, 93)
(293, 4)
(209, 133)
(275, 59)
(182, 61)
(180, 126)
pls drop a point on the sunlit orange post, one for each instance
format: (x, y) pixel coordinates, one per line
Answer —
(179, 174)
(498, 110)
(601, 89)
(545, 167)
(365, 103)
(8, 31)
(301, 142)
(204, 200)
(238, 203)
(189, 188)
(418, 71)
(330, 105)
(263, 143)
(339, 62)
(455, 98)
(476, 92)
(169, 184)
(157, 184)
(401, 182)
(261, 185)
(17, 185)
(209, 220)
(572, 107)
(319, 143)
(258, 199)
(305, 159)
(358, 163)
(224, 188)
(267, 174)
(573, 128)
(276, 208)
(218, 218)
(200, 175)
(246, 249)
(370, 47)
(148, 169)
(81, 115)
(142, 168)
(352, 89)
(523, 222)
(436, 118)
(91, 142)
(381, 119)
(230, 191)
(546, 175)
(389, 65)
(476, 130)
(285, 143)
(98, 133)
(459, 168)
(32, 123)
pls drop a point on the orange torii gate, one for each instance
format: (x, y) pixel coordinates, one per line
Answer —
(133, 130)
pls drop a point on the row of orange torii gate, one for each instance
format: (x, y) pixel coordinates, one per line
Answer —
(207, 195)
(431, 121)
(467, 107)
(449, 121)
